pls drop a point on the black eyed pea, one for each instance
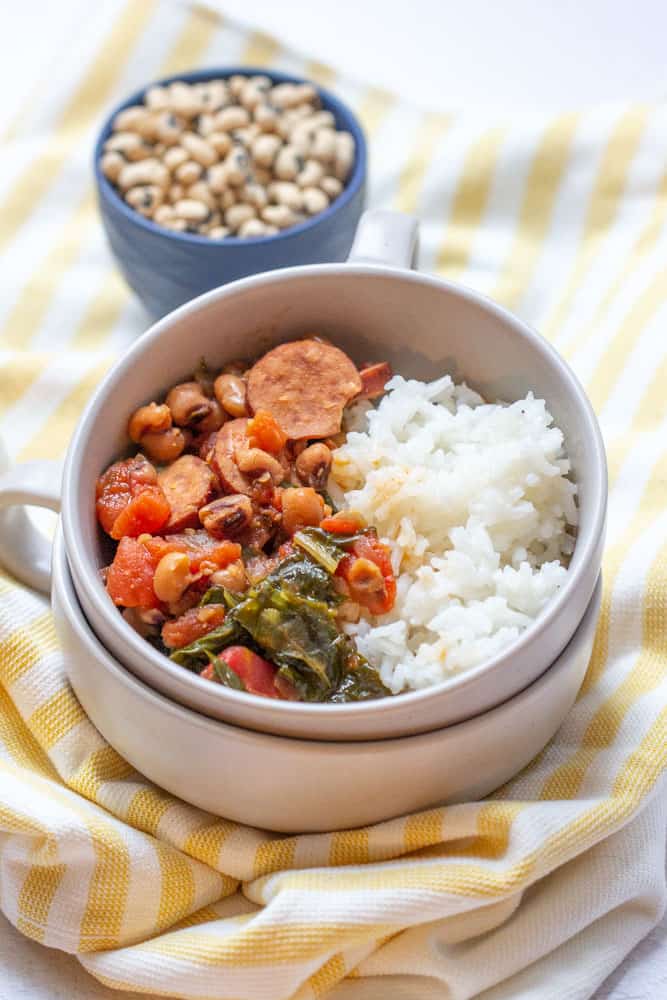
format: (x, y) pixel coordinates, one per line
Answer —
(157, 98)
(145, 199)
(221, 142)
(254, 194)
(184, 99)
(189, 172)
(216, 178)
(172, 576)
(266, 117)
(202, 192)
(288, 163)
(331, 186)
(175, 193)
(228, 198)
(164, 214)
(130, 145)
(168, 128)
(218, 232)
(287, 193)
(246, 135)
(236, 165)
(265, 148)
(205, 124)
(191, 210)
(251, 95)
(111, 165)
(149, 171)
(324, 145)
(306, 94)
(314, 200)
(230, 118)
(262, 175)
(311, 175)
(236, 215)
(174, 157)
(252, 227)
(199, 149)
(131, 119)
(159, 149)
(214, 95)
(279, 215)
(236, 83)
(344, 155)
(287, 95)
(178, 225)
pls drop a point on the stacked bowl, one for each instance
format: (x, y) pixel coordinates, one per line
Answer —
(293, 766)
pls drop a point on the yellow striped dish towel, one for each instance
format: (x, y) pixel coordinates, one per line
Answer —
(539, 891)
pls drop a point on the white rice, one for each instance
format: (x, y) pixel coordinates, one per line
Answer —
(474, 501)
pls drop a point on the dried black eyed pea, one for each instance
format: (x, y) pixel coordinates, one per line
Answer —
(149, 171)
(191, 210)
(202, 192)
(214, 95)
(218, 232)
(184, 99)
(145, 199)
(199, 149)
(314, 200)
(331, 186)
(288, 164)
(238, 214)
(344, 155)
(174, 157)
(228, 198)
(236, 166)
(253, 227)
(231, 118)
(311, 175)
(287, 193)
(280, 216)
(169, 128)
(130, 145)
(164, 214)
(188, 172)
(221, 142)
(205, 124)
(265, 148)
(175, 193)
(324, 145)
(157, 98)
(254, 194)
(266, 117)
(111, 165)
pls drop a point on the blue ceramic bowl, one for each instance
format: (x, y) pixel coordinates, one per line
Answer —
(166, 268)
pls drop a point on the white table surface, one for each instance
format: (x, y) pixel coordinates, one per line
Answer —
(542, 54)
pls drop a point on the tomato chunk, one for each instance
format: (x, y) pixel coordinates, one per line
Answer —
(345, 522)
(256, 673)
(192, 625)
(130, 576)
(265, 432)
(354, 569)
(129, 500)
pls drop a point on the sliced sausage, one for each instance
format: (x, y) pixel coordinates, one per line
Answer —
(230, 438)
(305, 385)
(187, 484)
(373, 380)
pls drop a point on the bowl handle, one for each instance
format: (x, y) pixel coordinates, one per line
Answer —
(383, 237)
(24, 550)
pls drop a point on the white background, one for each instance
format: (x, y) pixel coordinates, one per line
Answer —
(499, 54)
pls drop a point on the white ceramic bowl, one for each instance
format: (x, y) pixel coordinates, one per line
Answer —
(373, 307)
(309, 785)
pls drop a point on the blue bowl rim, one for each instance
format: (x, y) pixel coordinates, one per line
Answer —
(335, 104)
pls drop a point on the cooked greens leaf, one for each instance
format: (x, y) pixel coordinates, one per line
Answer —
(226, 675)
(220, 595)
(320, 546)
(202, 651)
(361, 684)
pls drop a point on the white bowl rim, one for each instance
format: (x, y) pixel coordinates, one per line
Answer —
(585, 547)
(62, 580)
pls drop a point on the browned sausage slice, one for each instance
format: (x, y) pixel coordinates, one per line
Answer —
(304, 384)
(187, 484)
(231, 437)
(373, 380)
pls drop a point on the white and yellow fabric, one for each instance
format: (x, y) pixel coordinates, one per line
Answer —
(536, 893)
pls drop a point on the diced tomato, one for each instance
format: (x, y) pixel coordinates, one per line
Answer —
(130, 576)
(192, 625)
(129, 500)
(201, 548)
(373, 380)
(208, 673)
(345, 522)
(265, 432)
(257, 674)
(378, 602)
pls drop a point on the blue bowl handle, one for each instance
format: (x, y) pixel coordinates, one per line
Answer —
(385, 238)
